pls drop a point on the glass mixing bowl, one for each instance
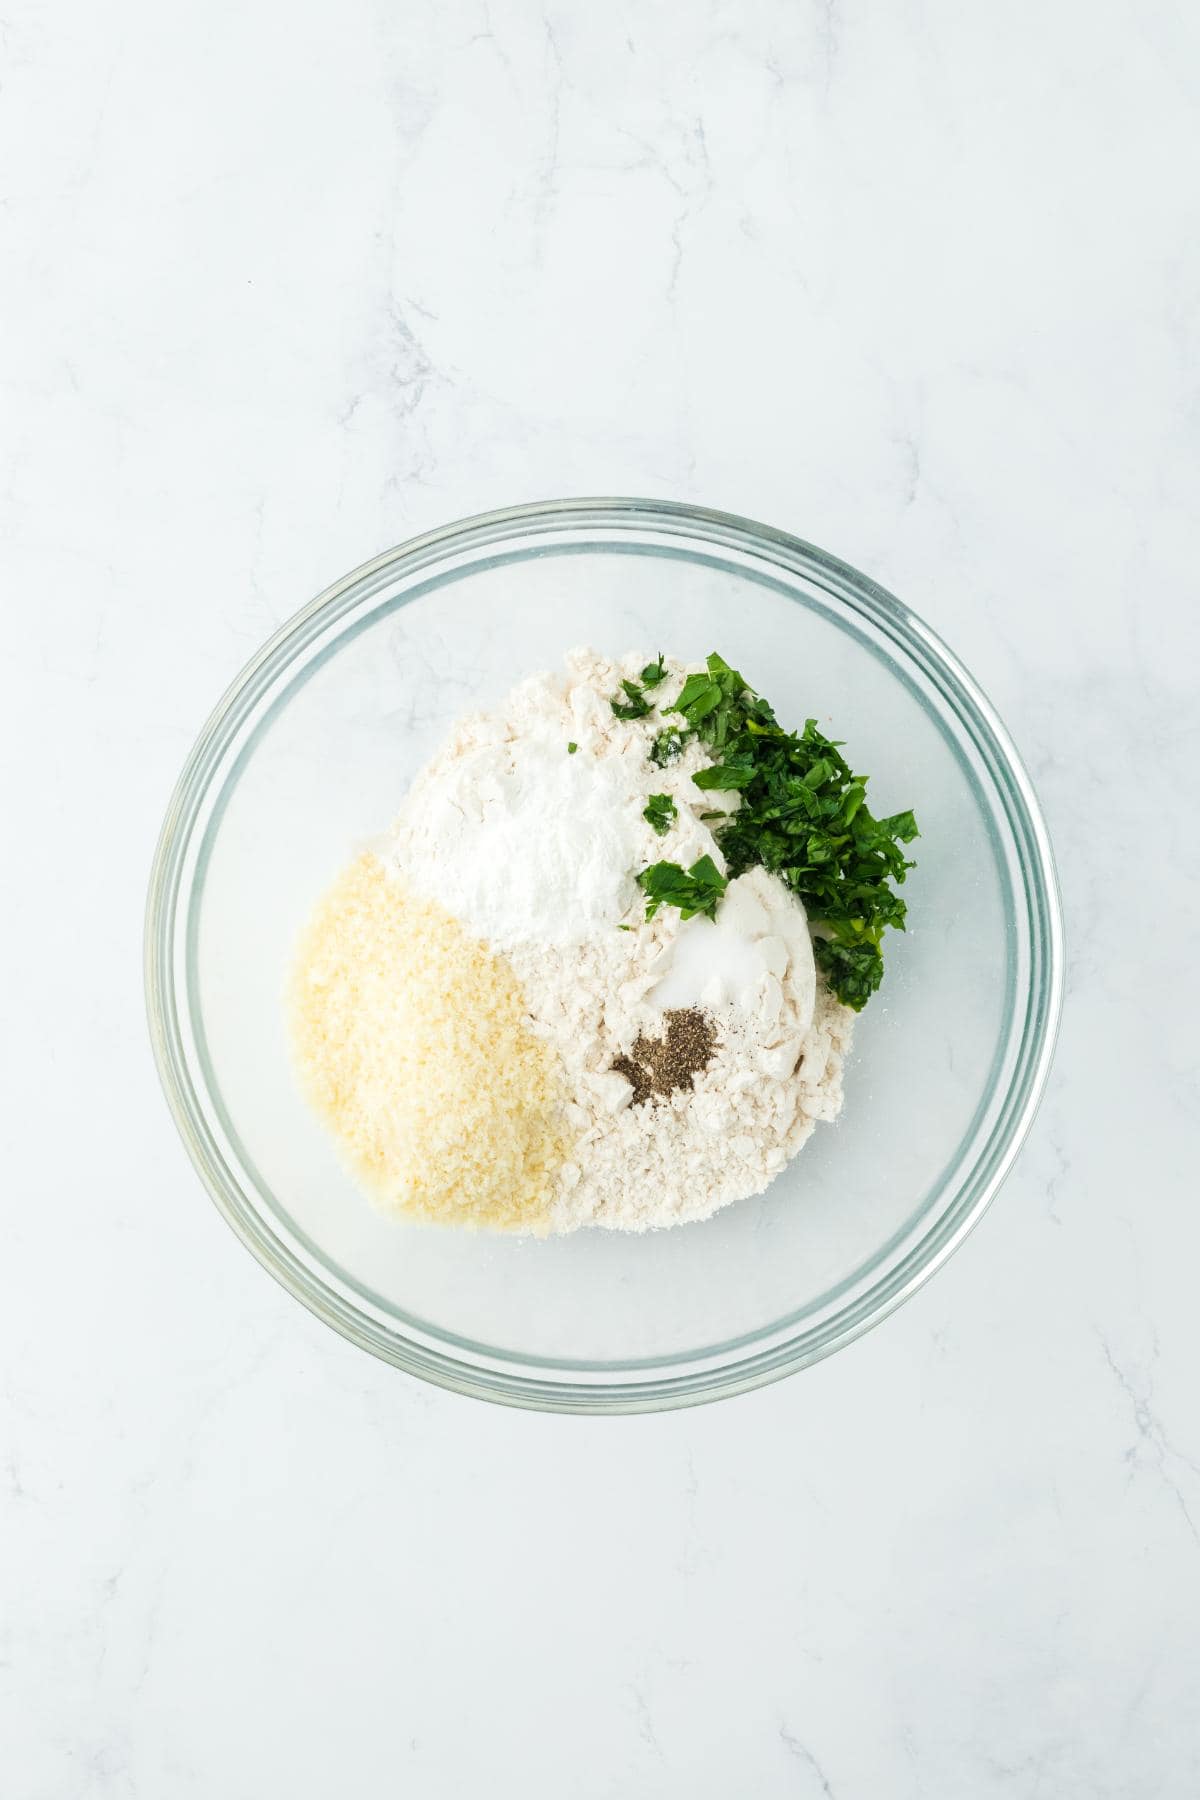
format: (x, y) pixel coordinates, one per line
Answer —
(308, 755)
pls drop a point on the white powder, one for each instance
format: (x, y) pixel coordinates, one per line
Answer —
(535, 850)
(759, 938)
(523, 840)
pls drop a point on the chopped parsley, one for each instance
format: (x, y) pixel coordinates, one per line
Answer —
(635, 704)
(694, 890)
(571, 749)
(667, 745)
(803, 815)
(659, 812)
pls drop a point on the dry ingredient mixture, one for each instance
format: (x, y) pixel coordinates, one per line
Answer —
(577, 984)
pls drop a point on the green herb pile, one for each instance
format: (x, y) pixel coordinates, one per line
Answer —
(803, 816)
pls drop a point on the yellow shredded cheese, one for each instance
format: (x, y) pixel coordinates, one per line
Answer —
(412, 1041)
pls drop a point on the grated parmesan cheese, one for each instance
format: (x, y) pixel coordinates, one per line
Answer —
(411, 1040)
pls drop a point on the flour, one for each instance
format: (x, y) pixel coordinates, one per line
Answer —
(776, 1070)
(534, 848)
(684, 1158)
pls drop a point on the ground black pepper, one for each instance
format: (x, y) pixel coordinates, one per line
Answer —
(656, 1067)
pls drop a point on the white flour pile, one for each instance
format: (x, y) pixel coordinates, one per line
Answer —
(533, 846)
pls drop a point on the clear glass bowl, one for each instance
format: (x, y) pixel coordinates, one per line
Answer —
(309, 753)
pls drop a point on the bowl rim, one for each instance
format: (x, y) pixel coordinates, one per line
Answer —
(677, 1385)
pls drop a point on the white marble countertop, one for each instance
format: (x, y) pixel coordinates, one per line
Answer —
(285, 285)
